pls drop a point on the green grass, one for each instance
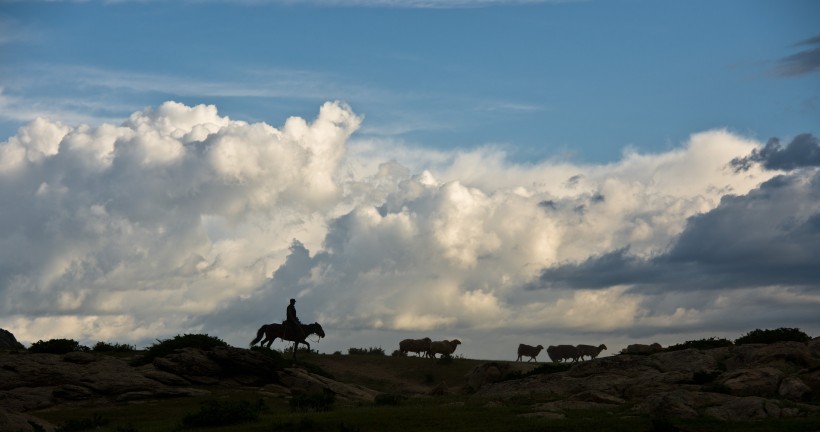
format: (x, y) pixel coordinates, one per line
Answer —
(451, 413)
(448, 414)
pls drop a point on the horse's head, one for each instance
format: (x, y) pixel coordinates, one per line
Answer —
(318, 329)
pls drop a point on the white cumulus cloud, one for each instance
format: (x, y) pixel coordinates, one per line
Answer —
(179, 220)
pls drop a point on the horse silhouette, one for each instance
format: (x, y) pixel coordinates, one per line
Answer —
(271, 332)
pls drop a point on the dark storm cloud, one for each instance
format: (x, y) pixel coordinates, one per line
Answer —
(770, 236)
(802, 151)
(803, 62)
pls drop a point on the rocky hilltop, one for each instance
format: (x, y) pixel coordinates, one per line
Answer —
(729, 383)
(30, 381)
(737, 382)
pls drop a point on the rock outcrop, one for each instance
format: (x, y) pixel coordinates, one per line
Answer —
(731, 383)
(31, 381)
(8, 341)
(728, 383)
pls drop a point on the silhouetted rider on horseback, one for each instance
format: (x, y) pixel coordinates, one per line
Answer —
(293, 322)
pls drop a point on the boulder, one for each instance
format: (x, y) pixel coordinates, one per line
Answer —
(27, 398)
(639, 388)
(793, 388)
(670, 404)
(763, 381)
(36, 370)
(249, 367)
(787, 356)
(561, 406)
(642, 349)
(35, 381)
(624, 365)
(441, 389)
(300, 381)
(72, 392)
(111, 376)
(483, 374)
(167, 378)
(812, 379)
(20, 422)
(192, 364)
(690, 360)
(814, 347)
(681, 403)
(598, 397)
(745, 408)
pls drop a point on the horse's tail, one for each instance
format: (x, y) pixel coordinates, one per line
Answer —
(259, 334)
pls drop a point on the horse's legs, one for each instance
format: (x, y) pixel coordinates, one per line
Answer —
(296, 346)
(269, 340)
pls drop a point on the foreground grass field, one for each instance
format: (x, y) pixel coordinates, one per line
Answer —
(440, 414)
(407, 379)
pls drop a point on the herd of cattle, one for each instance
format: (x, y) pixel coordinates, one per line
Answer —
(557, 353)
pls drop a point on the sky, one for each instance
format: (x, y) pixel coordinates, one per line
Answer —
(493, 171)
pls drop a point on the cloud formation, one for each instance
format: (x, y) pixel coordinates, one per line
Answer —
(767, 237)
(802, 151)
(172, 211)
(183, 220)
(804, 62)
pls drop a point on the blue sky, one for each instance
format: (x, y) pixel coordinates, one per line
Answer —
(511, 171)
(542, 79)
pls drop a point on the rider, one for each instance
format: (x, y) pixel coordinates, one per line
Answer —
(292, 321)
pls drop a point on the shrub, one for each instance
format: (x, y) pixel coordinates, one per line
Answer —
(105, 347)
(215, 413)
(701, 344)
(662, 424)
(313, 401)
(782, 334)
(163, 348)
(77, 425)
(366, 351)
(398, 353)
(304, 424)
(383, 399)
(57, 346)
